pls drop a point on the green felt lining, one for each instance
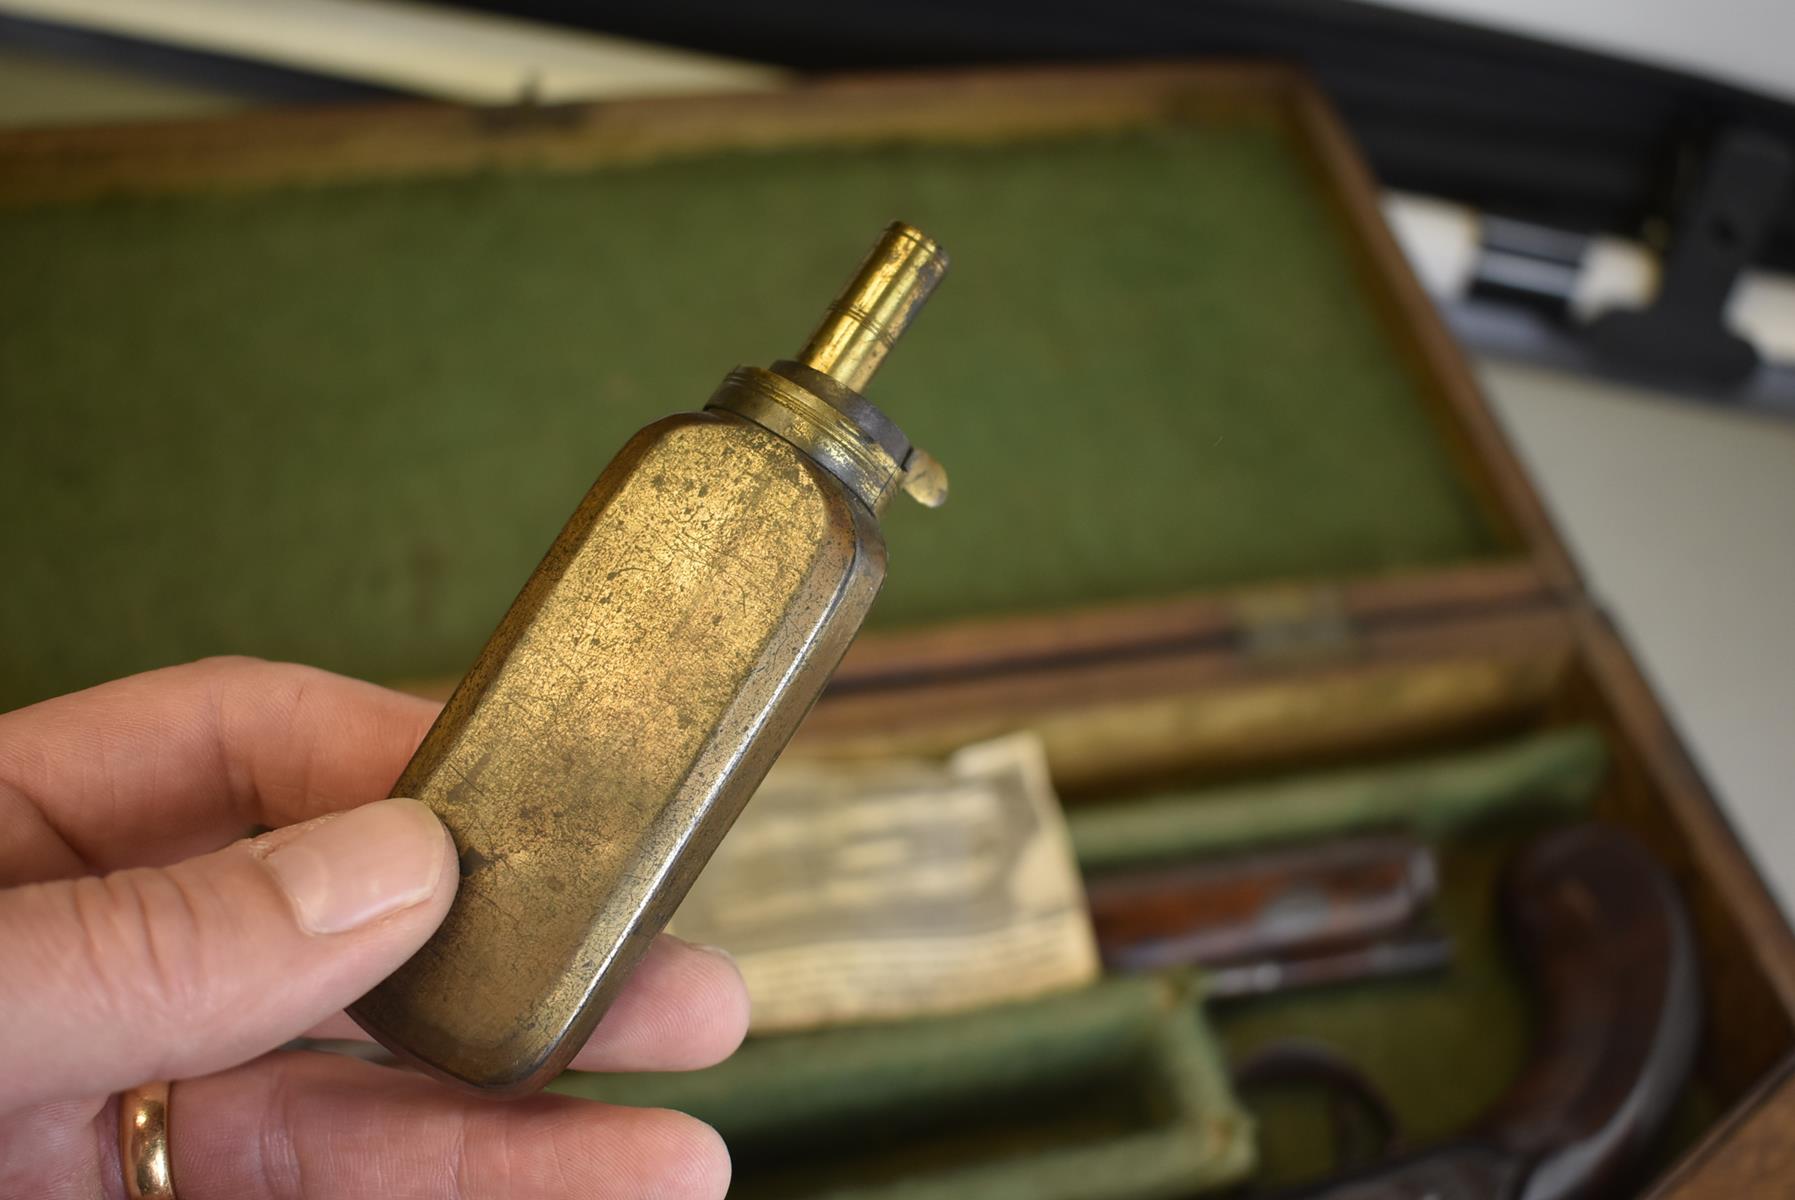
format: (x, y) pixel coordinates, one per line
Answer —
(1551, 773)
(340, 424)
(1113, 1092)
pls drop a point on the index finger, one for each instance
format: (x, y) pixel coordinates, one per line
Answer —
(158, 767)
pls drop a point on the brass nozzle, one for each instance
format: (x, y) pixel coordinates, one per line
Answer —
(879, 302)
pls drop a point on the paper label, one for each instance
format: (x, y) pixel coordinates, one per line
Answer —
(869, 892)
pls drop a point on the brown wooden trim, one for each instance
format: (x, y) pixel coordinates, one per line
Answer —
(1206, 621)
(1422, 682)
(388, 141)
(1751, 1154)
(1750, 941)
(1481, 450)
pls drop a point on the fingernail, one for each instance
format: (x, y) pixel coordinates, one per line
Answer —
(707, 948)
(717, 952)
(360, 865)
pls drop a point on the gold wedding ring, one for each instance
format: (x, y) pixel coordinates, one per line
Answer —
(143, 1142)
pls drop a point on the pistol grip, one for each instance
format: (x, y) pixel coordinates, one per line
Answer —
(1604, 935)
(1605, 938)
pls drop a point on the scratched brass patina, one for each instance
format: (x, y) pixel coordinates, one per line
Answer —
(643, 682)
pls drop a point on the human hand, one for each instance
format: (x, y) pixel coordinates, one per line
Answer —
(140, 941)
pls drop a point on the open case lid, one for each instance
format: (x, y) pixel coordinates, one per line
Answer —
(321, 385)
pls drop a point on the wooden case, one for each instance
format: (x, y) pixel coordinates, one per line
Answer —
(1519, 627)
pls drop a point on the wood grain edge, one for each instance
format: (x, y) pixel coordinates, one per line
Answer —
(405, 140)
(1462, 414)
(1217, 619)
(1750, 1154)
(1535, 640)
(1698, 829)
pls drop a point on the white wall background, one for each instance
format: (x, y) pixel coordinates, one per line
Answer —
(1746, 42)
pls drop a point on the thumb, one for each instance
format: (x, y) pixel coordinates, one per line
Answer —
(163, 974)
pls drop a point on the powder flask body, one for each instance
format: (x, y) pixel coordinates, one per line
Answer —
(641, 685)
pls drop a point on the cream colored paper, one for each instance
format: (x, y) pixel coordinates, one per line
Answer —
(870, 892)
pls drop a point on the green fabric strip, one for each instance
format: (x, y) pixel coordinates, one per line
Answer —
(1554, 772)
(1113, 1092)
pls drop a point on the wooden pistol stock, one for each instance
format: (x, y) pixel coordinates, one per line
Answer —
(1269, 905)
(1602, 932)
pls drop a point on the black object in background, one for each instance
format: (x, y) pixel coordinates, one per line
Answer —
(1572, 142)
(1512, 125)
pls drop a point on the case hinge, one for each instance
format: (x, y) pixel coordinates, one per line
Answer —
(1295, 624)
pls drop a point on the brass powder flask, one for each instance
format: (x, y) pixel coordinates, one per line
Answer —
(651, 670)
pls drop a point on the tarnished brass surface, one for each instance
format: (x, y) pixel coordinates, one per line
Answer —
(641, 685)
(873, 310)
(774, 402)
